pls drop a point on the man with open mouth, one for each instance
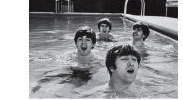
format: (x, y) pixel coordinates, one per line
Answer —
(105, 26)
(85, 39)
(84, 45)
(140, 33)
(122, 62)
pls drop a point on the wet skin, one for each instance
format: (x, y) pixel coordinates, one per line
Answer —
(104, 28)
(126, 68)
(84, 45)
(137, 34)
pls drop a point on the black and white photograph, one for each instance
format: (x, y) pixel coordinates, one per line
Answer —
(103, 49)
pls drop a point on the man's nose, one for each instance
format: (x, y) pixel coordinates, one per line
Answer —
(130, 63)
(83, 41)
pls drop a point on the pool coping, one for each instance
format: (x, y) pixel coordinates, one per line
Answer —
(168, 26)
(77, 14)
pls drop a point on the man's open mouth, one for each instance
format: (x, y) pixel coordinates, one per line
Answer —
(83, 48)
(104, 31)
(135, 34)
(131, 71)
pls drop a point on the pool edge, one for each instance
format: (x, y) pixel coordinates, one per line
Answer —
(157, 27)
(77, 14)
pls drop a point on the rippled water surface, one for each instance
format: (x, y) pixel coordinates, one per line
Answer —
(51, 77)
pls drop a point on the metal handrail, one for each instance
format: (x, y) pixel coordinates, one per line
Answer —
(142, 7)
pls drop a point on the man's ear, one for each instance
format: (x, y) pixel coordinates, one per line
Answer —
(144, 36)
(93, 46)
(76, 46)
(111, 69)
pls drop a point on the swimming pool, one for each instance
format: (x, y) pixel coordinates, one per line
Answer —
(51, 36)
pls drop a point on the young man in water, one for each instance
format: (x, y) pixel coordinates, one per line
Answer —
(122, 63)
(85, 39)
(78, 70)
(140, 33)
(105, 26)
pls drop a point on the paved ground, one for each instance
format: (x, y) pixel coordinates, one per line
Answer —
(166, 25)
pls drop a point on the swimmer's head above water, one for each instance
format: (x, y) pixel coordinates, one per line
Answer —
(140, 31)
(104, 25)
(85, 39)
(122, 62)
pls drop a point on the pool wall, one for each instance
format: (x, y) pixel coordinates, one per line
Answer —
(75, 14)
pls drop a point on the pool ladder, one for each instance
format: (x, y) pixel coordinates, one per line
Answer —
(64, 6)
(142, 7)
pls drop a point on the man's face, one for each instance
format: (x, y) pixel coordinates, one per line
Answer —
(126, 68)
(104, 28)
(84, 45)
(137, 34)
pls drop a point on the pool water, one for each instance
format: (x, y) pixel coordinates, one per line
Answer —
(52, 77)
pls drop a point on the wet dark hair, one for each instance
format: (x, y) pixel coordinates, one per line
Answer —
(118, 51)
(85, 31)
(105, 21)
(144, 27)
